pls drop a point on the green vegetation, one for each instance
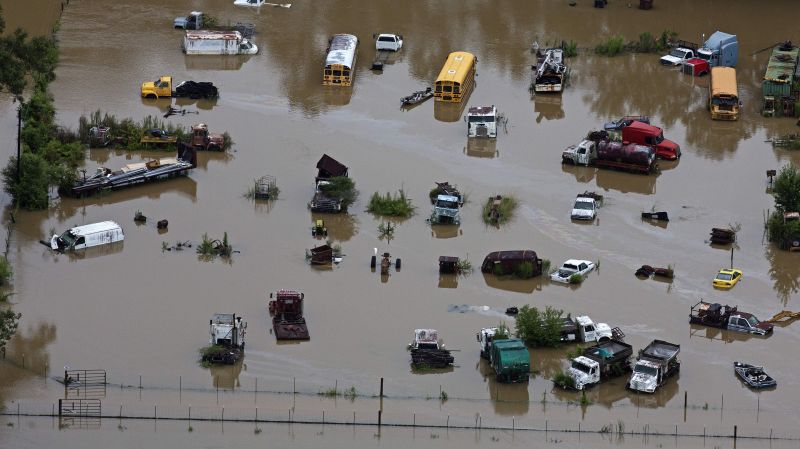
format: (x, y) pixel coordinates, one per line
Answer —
(49, 154)
(393, 205)
(786, 190)
(212, 247)
(341, 188)
(386, 230)
(5, 271)
(500, 214)
(524, 270)
(577, 351)
(570, 49)
(563, 380)
(646, 43)
(539, 328)
(584, 400)
(546, 265)
(350, 393)
(8, 326)
(502, 332)
(576, 278)
(443, 396)
(613, 46)
(273, 191)
(464, 266)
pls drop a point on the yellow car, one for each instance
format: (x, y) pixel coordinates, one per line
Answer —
(727, 278)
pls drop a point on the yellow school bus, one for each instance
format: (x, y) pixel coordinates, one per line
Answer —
(723, 95)
(340, 61)
(456, 78)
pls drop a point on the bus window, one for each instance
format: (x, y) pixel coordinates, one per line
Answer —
(456, 89)
(337, 73)
(448, 88)
(327, 72)
(346, 73)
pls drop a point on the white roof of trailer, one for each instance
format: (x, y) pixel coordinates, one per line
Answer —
(94, 227)
(211, 34)
(342, 50)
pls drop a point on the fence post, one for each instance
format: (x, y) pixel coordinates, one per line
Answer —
(190, 412)
(155, 412)
(255, 393)
(223, 414)
(380, 412)
(381, 396)
(59, 408)
(448, 421)
(120, 410)
(323, 417)
(256, 415)
(140, 381)
(735, 430)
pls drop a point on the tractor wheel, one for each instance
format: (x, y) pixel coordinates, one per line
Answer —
(397, 264)
(372, 262)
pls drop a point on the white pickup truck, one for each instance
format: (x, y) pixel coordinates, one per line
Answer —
(571, 268)
(389, 42)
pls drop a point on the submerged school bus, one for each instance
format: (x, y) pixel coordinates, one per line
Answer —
(340, 62)
(456, 78)
(723, 95)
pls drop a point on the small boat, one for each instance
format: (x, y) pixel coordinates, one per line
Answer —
(417, 97)
(753, 375)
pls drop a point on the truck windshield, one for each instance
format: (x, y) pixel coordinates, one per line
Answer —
(481, 119)
(386, 39)
(68, 238)
(446, 204)
(427, 346)
(581, 367)
(583, 205)
(649, 370)
(660, 137)
(678, 53)
(753, 320)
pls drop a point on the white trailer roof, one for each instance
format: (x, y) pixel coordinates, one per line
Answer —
(94, 227)
(342, 50)
(211, 34)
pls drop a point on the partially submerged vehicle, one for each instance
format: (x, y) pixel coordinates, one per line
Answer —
(447, 202)
(618, 124)
(582, 329)
(599, 363)
(598, 150)
(87, 236)
(585, 208)
(217, 42)
(682, 51)
(202, 139)
(727, 278)
(727, 317)
(340, 62)
(388, 42)
(416, 97)
(655, 364)
(481, 121)
(722, 236)
(261, 3)
(288, 322)
(754, 376)
(227, 339)
(570, 268)
(385, 262)
(508, 262)
(550, 72)
(327, 168)
(428, 351)
(510, 360)
(163, 88)
(138, 173)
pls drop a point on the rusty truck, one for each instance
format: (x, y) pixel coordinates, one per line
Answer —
(288, 322)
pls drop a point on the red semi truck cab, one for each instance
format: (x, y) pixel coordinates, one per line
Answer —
(652, 136)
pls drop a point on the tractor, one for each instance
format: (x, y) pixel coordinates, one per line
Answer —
(386, 262)
(319, 229)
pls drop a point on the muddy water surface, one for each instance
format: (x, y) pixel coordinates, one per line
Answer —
(136, 310)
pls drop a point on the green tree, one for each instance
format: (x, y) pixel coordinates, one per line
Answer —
(8, 326)
(539, 328)
(786, 189)
(30, 190)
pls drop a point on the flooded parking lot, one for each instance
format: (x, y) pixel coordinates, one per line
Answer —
(135, 310)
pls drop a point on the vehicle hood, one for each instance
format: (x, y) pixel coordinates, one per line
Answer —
(54, 242)
(180, 21)
(582, 213)
(148, 85)
(580, 378)
(764, 326)
(668, 149)
(611, 125)
(643, 382)
(670, 60)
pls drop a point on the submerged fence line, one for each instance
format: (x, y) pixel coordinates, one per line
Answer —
(513, 424)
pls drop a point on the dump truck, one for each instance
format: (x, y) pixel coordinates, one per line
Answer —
(227, 339)
(582, 329)
(727, 317)
(598, 363)
(549, 74)
(510, 360)
(162, 88)
(598, 151)
(428, 351)
(655, 364)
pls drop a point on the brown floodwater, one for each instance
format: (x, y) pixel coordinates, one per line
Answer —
(136, 310)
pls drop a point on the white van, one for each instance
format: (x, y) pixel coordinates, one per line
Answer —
(86, 236)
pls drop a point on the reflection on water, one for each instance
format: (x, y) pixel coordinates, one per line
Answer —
(626, 182)
(337, 95)
(163, 104)
(508, 399)
(784, 272)
(215, 62)
(448, 281)
(95, 251)
(513, 284)
(723, 335)
(445, 231)
(548, 107)
(226, 377)
(449, 112)
(482, 148)
(26, 357)
(341, 227)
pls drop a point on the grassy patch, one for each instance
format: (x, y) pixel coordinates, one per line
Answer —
(500, 213)
(563, 380)
(570, 49)
(213, 247)
(341, 188)
(6, 271)
(393, 205)
(613, 46)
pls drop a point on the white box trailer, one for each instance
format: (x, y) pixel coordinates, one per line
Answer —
(87, 236)
(209, 42)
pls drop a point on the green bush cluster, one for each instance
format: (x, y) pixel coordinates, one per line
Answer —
(570, 49)
(539, 328)
(394, 205)
(563, 380)
(786, 190)
(342, 188)
(508, 204)
(613, 46)
(5, 271)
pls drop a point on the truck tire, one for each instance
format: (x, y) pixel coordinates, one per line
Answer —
(372, 262)
(397, 264)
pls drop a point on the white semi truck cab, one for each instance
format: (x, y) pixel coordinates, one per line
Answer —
(482, 121)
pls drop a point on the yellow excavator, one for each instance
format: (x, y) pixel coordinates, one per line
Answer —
(784, 316)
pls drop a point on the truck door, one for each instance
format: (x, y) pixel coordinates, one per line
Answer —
(589, 333)
(80, 243)
(582, 156)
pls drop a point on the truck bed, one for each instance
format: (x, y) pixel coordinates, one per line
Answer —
(609, 352)
(661, 350)
(294, 330)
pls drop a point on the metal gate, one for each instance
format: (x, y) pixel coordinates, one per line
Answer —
(85, 383)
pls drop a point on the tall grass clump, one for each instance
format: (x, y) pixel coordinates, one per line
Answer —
(393, 205)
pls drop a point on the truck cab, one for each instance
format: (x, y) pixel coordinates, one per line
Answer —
(647, 376)
(696, 67)
(676, 56)
(426, 339)
(652, 136)
(584, 371)
(581, 154)
(482, 121)
(720, 50)
(485, 337)
(160, 88)
(446, 210)
(583, 329)
(227, 330)
(202, 139)
(389, 42)
(747, 322)
(511, 360)
(194, 21)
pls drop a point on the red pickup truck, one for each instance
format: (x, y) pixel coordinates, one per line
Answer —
(652, 136)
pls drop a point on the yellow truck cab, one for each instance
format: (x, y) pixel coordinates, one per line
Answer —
(157, 89)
